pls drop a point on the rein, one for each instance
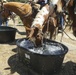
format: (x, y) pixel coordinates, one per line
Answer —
(68, 35)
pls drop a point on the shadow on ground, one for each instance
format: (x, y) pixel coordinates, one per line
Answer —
(19, 67)
(68, 68)
(21, 33)
(10, 43)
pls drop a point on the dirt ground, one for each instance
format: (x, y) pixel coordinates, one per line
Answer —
(10, 65)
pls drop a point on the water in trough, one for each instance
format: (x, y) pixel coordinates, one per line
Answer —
(46, 49)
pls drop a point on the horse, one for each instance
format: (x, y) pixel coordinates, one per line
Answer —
(43, 24)
(26, 12)
(27, 15)
(70, 6)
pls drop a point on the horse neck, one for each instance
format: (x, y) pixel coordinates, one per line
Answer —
(20, 9)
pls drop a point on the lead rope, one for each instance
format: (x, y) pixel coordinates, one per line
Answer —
(47, 31)
(68, 35)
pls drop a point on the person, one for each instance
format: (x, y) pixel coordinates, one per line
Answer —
(42, 2)
(1, 18)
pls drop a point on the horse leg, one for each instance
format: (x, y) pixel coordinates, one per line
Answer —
(53, 28)
(27, 31)
(61, 36)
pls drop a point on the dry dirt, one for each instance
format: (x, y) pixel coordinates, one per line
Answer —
(10, 65)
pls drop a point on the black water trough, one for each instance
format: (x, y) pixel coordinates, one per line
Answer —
(44, 62)
(7, 34)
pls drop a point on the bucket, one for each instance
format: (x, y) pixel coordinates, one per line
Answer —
(43, 63)
(7, 34)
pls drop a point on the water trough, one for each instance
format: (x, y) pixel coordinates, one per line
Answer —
(45, 60)
(7, 34)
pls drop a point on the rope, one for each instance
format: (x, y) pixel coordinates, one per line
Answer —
(48, 25)
(68, 35)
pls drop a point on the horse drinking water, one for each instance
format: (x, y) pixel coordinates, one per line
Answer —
(40, 25)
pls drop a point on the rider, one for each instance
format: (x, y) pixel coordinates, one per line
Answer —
(1, 18)
(42, 2)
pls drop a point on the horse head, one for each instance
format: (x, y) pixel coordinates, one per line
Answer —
(36, 36)
(4, 13)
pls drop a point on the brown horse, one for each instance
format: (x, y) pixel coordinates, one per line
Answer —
(72, 15)
(26, 12)
(70, 5)
(44, 23)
